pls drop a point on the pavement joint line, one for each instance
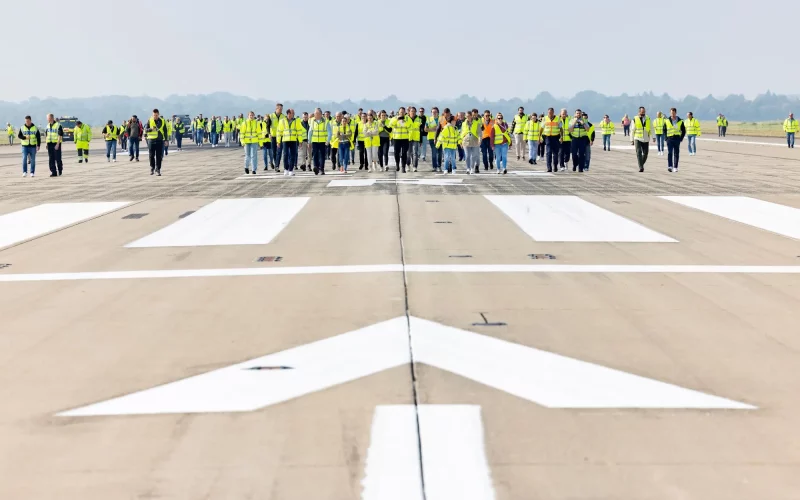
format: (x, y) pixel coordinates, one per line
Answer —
(404, 268)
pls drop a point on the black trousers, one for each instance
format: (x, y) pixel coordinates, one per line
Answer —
(486, 151)
(318, 156)
(334, 157)
(540, 150)
(383, 152)
(579, 153)
(642, 149)
(401, 153)
(178, 140)
(551, 152)
(566, 151)
(362, 155)
(673, 151)
(54, 158)
(155, 148)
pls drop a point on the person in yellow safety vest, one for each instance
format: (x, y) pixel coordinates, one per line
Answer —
(692, 132)
(333, 139)
(415, 125)
(198, 129)
(501, 143)
(265, 142)
(518, 130)
(355, 120)
(642, 130)
(250, 133)
(82, 135)
(566, 139)
(470, 139)
(551, 136)
(328, 120)
(214, 128)
(31, 140)
(10, 132)
(342, 139)
(318, 139)
(675, 131)
(274, 120)
(591, 136)
(110, 134)
(532, 134)
(431, 127)
(448, 140)
(169, 135)
(227, 129)
(658, 128)
(607, 129)
(290, 133)
(400, 137)
(54, 136)
(156, 134)
(579, 135)
(790, 127)
(358, 128)
(722, 125)
(180, 129)
(372, 140)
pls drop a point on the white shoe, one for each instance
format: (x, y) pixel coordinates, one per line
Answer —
(499, 172)
(24, 174)
(669, 169)
(415, 170)
(31, 176)
(108, 160)
(675, 169)
(291, 174)
(115, 160)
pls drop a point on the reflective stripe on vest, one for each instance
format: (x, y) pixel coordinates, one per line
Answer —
(29, 135)
(52, 133)
(400, 132)
(448, 138)
(532, 130)
(519, 124)
(289, 130)
(152, 134)
(673, 130)
(607, 128)
(250, 131)
(659, 124)
(692, 126)
(551, 128)
(639, 126)
(577, 132)
(565, 128)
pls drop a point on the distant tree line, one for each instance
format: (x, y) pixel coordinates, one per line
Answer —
(97, 110)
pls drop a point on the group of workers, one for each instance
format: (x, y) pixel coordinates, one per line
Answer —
(310, 141)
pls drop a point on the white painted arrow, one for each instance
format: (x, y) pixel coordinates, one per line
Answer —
(453, 454)
(541, 377)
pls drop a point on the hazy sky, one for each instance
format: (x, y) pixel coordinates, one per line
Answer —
(339, 49)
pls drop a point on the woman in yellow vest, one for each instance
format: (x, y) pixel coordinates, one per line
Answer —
(692, 132)
(372, 141)
(344, 139)
(448, 140)
(401, 133)
(532, 133)
(250, 134)
(82, 135)
(471, 141)
(501, 141)
(658, 125)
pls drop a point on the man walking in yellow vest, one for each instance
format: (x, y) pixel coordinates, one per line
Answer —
(110, 134)
(722, 125)
(790, 127)
(31, 141)
(157, 133)
(249, 133)
(518, 130)
(658, 125)
(692, 132)
(54, 136)
(82, 135)
(10, 133)
(642, 131)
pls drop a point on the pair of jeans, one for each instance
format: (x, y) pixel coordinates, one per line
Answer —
(383, 152)
(692, 143)
(156, 152)
(178, 140)
(607, 141)
(566, 153)
(166, 148)
(401, 153)
(588, 156)
(501, 153)
(111, 150)
(133, 147)
(790, 139)
(251, 156)
(460, 153)
(289, 155)
(198, 137)
(626, 130)
(487, 152)
(660, 138)
(318, 156)
(473, 154)
(578, 148)
(28, 152)
(344, 155)
(423, 145)
(123, 142)
(54, 158)
(533, 146)
(10, 140)
(449, 160)
(642, 150)
(413, 153)
(673, 151)
(228, 137)
(724, 131)
(276, 153)
(552, 146)
(436, 160)
(268, 155)
(214, 138)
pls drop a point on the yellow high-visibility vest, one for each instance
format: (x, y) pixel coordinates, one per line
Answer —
(673, 130)
(29, 135)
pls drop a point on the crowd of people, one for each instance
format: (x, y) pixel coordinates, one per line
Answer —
(308, 141)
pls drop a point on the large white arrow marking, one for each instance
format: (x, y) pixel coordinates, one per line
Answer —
(453, 454)
(541, 377)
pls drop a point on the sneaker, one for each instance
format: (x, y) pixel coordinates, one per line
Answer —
(53, 175)
(137, 158)
(247, 170)
(530, 162)
(80, 161)
(158, 173)
(86, 160)
(675, 169)
(404, 169)
(254, 172)
(114, 160)
(669, 169)
(291, 174)
(24, 174)
(31, 175)
(131, 158)
(415, 168)
(499, 172)
(108, 160)
(152, 171)
(518, 156)
(641, 169)
(505, 172)
(303, 167)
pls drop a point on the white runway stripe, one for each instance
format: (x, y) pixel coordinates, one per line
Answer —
(396, 268)
(248, 221)
(762, 214)
(569, 218)
(42, 219)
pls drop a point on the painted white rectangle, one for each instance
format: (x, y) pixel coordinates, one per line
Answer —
(453, 457)
(247, 221)
(570, 218)
(42, 219)
(772, 217)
